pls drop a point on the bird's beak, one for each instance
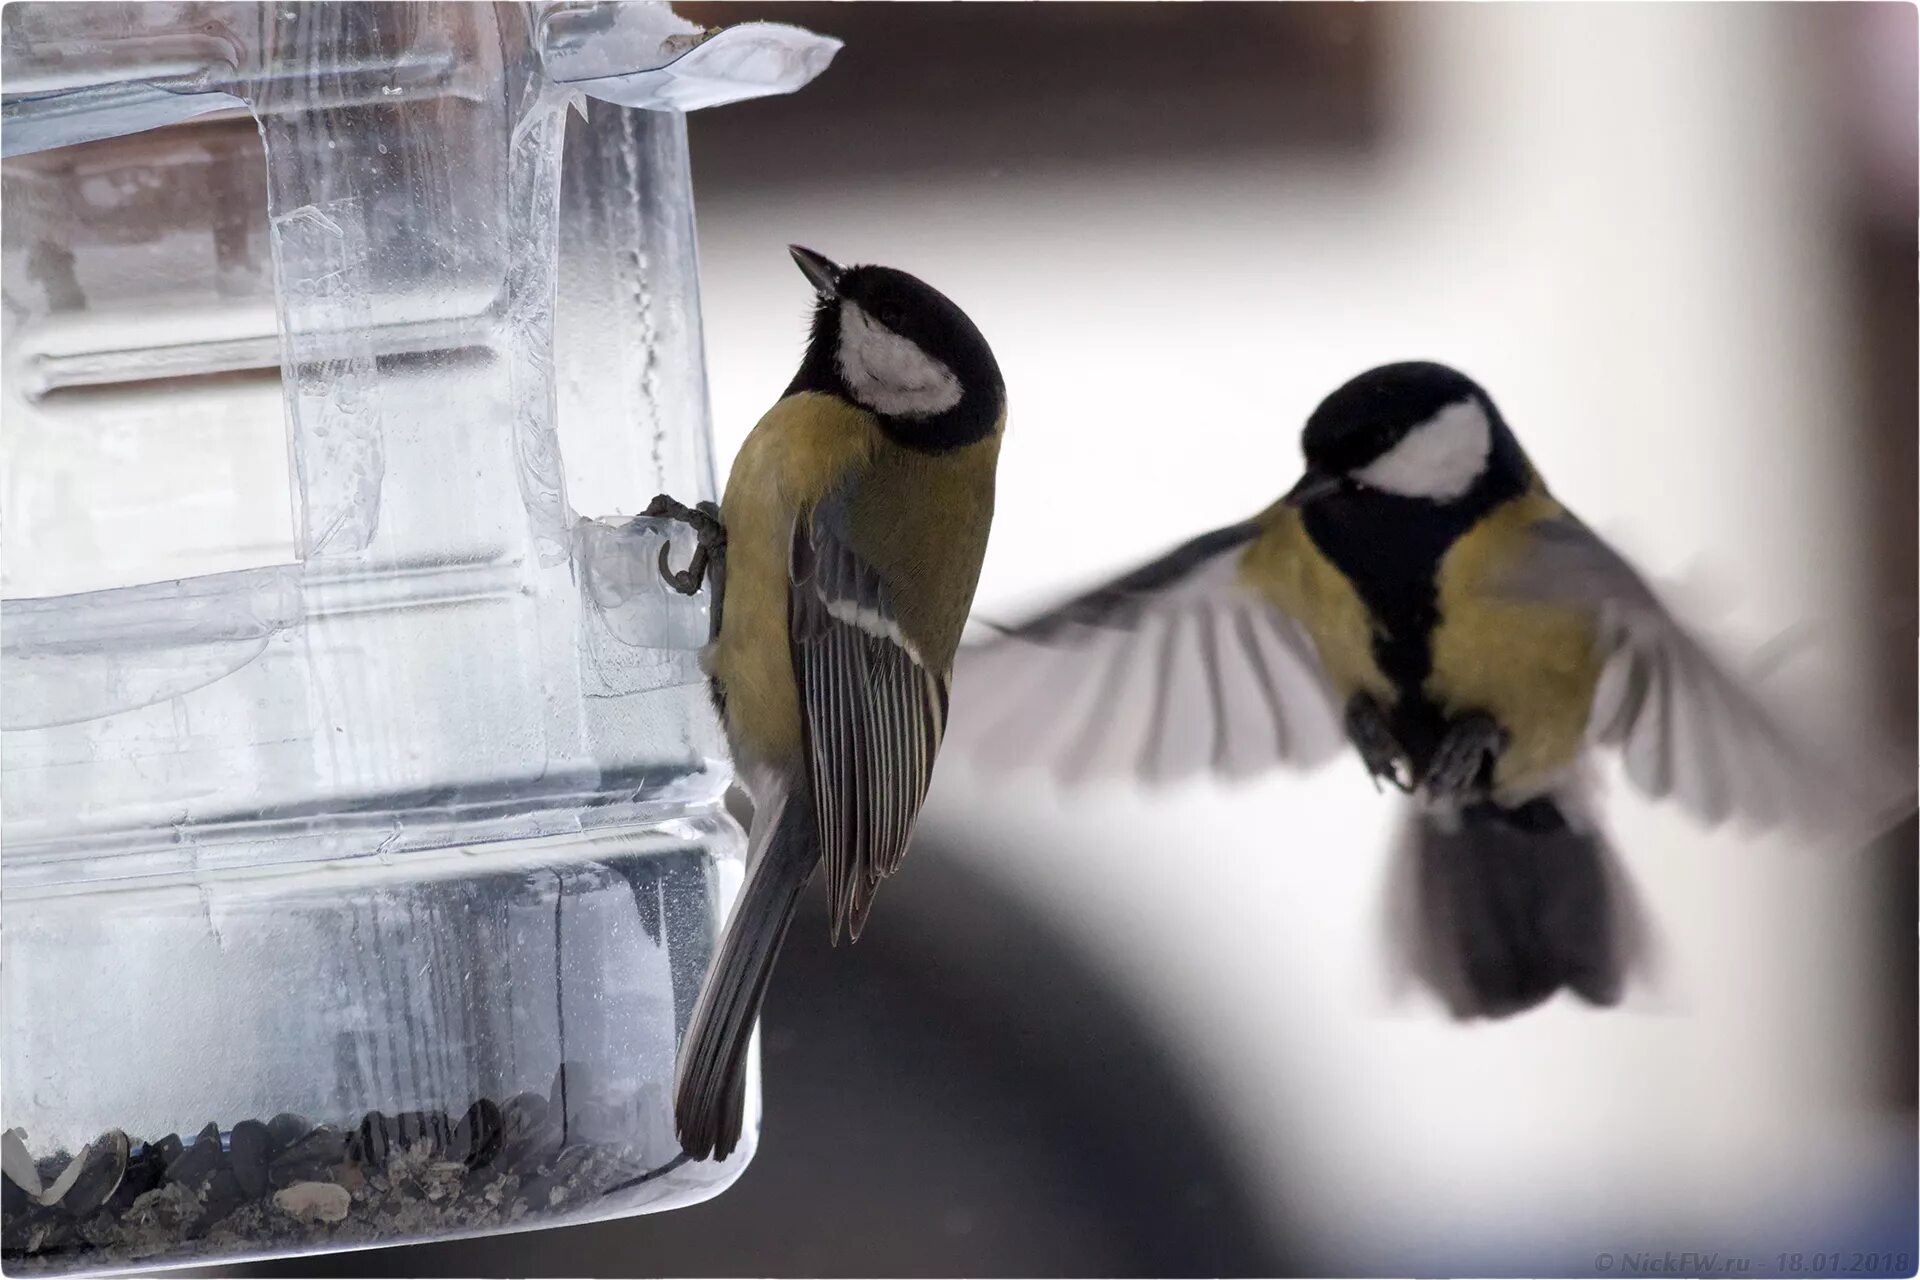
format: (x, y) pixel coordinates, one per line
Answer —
(823, 272)
(1312, 487)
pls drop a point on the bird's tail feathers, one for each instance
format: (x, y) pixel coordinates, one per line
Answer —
(710, 1087)
(1497, 908)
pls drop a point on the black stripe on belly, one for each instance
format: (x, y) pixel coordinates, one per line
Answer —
(1390, 549)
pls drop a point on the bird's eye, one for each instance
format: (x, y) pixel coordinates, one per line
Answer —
(887, 314)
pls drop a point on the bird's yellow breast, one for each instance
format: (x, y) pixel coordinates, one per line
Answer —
(1284, 566)
(918, 519)
(1531, 666)
(803, 448)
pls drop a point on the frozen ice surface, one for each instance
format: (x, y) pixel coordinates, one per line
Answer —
(475, 314)
(411, 984)
(350, 735)
(588, 48)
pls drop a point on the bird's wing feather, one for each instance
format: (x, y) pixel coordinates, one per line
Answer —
(1168, 671)
(872, 710)
(1685, 727)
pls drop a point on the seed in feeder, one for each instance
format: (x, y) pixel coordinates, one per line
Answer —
(314, 1201)
(373, 1139)
(56, 1190)
(167, 1150)
(197, 1161)
(96, 1174)
(144, 1171)
(476, 1139)
(17, 1163)
(308, 1159)
(430, 1127)
(287, 1129)
(162, 1210)
(248, 1150)
(220, 1195)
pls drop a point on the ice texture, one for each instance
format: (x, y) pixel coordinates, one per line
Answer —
(340, 346)
(474, 310)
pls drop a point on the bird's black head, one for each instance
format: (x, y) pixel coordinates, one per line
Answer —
(900, 349)
(1414, 430)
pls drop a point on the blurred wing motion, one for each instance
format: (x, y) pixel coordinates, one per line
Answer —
(873, 714)
(1168, 671)
(1686, 728)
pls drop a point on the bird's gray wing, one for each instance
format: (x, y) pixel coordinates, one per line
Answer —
(1685, 727)
(873, 712)
(1169, 671)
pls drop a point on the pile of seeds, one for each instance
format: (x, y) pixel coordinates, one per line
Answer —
(287, 1185)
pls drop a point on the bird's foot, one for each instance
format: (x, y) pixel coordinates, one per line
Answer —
(704, 520)
(1367, 729)
(1471, 744)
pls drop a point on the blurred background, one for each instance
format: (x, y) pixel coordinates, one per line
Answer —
(1115, 1033)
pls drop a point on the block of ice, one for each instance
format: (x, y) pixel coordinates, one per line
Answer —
(351, 739)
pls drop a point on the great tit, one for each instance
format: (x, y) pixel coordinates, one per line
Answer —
(1420, 595)
(845, 553)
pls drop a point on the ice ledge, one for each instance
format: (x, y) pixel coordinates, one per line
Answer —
(645, 55)
(79, 73)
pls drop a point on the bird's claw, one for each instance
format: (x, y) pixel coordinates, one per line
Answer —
(1368, 731)
(686, 581)
(704, 519)
(1469, 745)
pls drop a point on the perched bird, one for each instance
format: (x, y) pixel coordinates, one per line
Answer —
(850, 538)
(1420, 595)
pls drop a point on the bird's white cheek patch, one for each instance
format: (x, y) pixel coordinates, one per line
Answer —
(890, 374)
(1439, 459)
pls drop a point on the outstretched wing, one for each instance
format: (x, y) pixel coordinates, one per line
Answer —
(1171, 670)
(873, 712)
(1685, 727)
